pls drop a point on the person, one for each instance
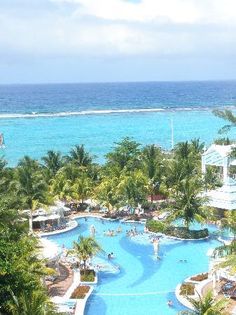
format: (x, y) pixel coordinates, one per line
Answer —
(112, 255)
(109, 256)
(156, 246)
(170, 303)
(119, 229)
(92, 230)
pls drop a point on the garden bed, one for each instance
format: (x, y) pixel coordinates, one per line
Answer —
(80, 292)
(200, 277)
(87, 275)
(187, 289)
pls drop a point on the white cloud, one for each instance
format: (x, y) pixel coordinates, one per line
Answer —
(119, 27)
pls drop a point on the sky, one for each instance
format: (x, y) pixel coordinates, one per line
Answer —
(47, 41)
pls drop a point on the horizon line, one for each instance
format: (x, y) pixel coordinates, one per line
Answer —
(120, 82)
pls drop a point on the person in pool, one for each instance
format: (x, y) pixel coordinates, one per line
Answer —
(170, 303)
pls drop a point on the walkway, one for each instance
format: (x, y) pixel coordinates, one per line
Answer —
(62, 283)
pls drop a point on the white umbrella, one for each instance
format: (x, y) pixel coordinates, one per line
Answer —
(40, 219)
(65, 209)
(49, 248)
(53, 217)
(39, 211)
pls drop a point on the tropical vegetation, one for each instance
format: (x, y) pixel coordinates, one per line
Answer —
(206, 305)
(130, 176)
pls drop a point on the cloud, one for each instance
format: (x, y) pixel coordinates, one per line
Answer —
(112, 28)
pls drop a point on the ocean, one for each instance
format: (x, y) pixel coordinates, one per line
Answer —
(37, 118)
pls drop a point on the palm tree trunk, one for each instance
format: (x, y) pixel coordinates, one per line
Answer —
(31, 221)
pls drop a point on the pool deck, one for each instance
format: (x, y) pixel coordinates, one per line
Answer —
(201, 288)
(72, 225)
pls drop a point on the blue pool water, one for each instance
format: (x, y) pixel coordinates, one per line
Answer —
(144, 283)
(189, 104)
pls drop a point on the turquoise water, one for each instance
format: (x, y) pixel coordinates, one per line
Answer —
(37, 118)
(99, 132)
(144, 283)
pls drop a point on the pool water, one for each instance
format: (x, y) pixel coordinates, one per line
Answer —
(144, 282)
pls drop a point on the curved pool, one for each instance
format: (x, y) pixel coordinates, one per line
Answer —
(143, 283)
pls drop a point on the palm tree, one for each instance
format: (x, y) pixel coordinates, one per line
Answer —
(80, 156)
(206, 305)
(188, 203)
(60, 187)
(82, 188)
(228, 253)
(30, 185)
(52, 162)
(229, 222)
(85, 248)
(126, 155)
(28, 303)
(228, 116)
(152, 167)
(132, 188)
(106, 192)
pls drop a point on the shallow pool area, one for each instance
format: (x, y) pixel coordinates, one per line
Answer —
(143, 282)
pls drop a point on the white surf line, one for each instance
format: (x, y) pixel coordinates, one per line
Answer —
(134, 294)
(107, 111)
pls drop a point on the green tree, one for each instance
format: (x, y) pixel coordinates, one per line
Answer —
(106, 192)
(132, 188)
(126, 155)
(82, 188)
(188, 204)
(52, 163)
(60, 187)
(229, 222)
(86, 248)
(206, 305)
(20, 268)
(28, 303)
(152, 160)
(30, 185)
(228, 116)
(79, 156)
(228, 253)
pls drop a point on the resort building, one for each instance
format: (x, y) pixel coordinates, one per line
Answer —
(221, 156)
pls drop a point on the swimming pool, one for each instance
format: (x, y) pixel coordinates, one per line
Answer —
(143, 283)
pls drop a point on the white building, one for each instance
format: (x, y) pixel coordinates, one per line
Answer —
(225, 196)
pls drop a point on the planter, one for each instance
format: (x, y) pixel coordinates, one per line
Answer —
(80, 292)
(88, 276)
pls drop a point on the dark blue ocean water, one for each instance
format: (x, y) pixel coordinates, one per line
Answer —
(36, 118)
(107, 96)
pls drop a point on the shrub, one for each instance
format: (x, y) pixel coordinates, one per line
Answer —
(200, 277)
(187, 289)
(184, 233)
(87, 275)
(176, 231)
(80, 292)
(156, 226)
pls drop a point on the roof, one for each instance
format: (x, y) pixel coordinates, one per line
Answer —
(223, 197)
(216, 154)
(222, 150)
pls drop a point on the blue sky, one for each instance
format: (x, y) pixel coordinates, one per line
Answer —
(117, 40)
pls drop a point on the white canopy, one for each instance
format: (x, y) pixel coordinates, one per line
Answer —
(40, 211)
(53, 217)
(50, 249)
(40, 218)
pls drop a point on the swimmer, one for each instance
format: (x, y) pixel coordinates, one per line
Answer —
(119, 229)
(170, 303)
(112, 255)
